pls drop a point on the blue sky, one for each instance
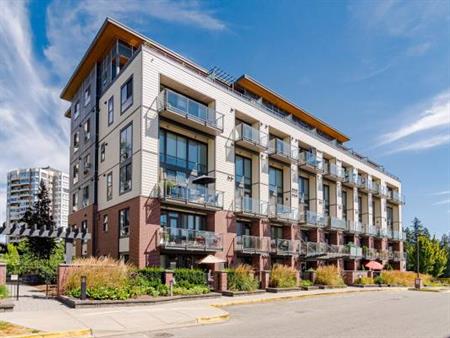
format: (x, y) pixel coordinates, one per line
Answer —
(377, 70)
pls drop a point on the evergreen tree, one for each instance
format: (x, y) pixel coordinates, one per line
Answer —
(445, 244)
(39, 217)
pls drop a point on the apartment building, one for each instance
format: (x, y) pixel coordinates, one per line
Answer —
(171, 162)
(23, 188)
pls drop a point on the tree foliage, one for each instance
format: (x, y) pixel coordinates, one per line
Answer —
(40, 217)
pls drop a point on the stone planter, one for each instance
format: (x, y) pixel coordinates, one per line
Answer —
(229, 293)
(277, 290)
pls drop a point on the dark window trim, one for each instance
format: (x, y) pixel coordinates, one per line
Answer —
(110, 174)
(111, 99)
(130, 78)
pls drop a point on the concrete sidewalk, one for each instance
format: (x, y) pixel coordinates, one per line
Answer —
(122, 320)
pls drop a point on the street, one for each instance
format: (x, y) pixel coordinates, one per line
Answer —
(373, 314)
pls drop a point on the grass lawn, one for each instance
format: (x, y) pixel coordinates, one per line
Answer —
(8, 329)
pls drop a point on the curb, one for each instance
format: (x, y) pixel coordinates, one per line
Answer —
(57, 334)
(213, 319)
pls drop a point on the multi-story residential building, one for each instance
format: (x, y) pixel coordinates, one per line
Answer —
(171, 162)
(23, 188)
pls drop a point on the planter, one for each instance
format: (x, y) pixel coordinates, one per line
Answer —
(312, 287)
(6, 307)
(332, 286)
(229, 293)
(366, 286)
(277, 290)
(144, 300)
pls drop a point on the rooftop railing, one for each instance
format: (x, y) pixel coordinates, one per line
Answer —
(244, 132)
(188, 239)
(185, 107)
(252, 244)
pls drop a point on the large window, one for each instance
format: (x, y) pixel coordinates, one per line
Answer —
(360, 209)
(76, 110)
(124, 222)
(304, 192)
(126, 150)
(75, 171)
(326, 199)
(243, 228)
(181, 153)
(109, 186)
(105, 223)
(87, 95)
(373, 212)
(87, 164)
(173, 219)
(87, 130)
(276, 232)
(102, 152)
(126, 95)
(390, 216)
(110, 110)
(75, 201)
(76, 141)
(244, 175)
(276, 184)
(125, 178)
(85, 196)
(344, 204)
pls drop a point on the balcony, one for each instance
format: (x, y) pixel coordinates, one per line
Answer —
(337, 251)
(190, 240)
(369, 230)
(369, 253)
(283, 151)
(309, 161)
(354, 251)
(398, 235)
(193, 195)
(188, 112)
(250, 138)
(251, 207)
(333, 172)
(284, 247)
(252, 244)
(283, 213)
(354, 227)
(353, 180)
(381, 233)
(374, 188)
(395, 197)
(313, 249)
(366, 184)
(383, 255)
(337, 224)
(397, 256)
(312, 219)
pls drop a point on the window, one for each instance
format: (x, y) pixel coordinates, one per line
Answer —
(125, 178)
(109, 186)
(85, 196)
(326, 199)
(105, 223)
(87, 95)
(76, 110)
(304, 192)
(360, 209)
(87, 164)
(244, 175)
(243, 228)
(181, 220)
(75, 170)
(102, 152)
(76, 141)
(110, 110)
(373, 212)
(344, 205)
(124, 222)
(84, 225)
(87, 130)
(390, 216)
(180, 153)
(276, 232)
(276, 184)
(126, 144)
(126, 95)
(75, 201)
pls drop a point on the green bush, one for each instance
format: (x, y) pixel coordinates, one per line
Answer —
(283, 276)
(364, 280)
(189, 277)
(329, 275)
(305, 283)
(378, 280)
(241, 279)
(154, 274)
(3, 291)
(194, 290)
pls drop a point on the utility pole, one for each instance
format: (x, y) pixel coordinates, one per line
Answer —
(418, 281)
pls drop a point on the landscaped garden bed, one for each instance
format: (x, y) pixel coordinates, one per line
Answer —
(278, 290)
(241, 281)
(230, 293)
(329, 277)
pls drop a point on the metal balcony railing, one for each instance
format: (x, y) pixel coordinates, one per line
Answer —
(309, 160)
(311, 249)
(185, 107)
(337, 224)
(333, 171)
(310, 218)
(252, 244)
(191, 194)
(354, 226)
(188, 239)
(369, 253)
(251, 206)
(283, 149)
(284, 246)
(283, 212)
(246, 133)
(354, 251)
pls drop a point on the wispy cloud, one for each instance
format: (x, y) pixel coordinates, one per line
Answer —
(446, 201)
(418, 49)
(422, 144)
(440, 193)
(72, 24)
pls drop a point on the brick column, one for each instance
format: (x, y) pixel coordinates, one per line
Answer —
(220, 282)
(265, 278)
(61, 277)
(2, 273)
(168, 277)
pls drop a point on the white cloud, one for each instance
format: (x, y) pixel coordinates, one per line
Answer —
(418, 49)
(440, 193)
(428, 143)
(446, 201)
(71, 25)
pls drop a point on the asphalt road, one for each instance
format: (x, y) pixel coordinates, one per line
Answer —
(374, 314)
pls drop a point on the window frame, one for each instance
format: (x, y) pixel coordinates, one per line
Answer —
(128, 102)
(102, 152)
(122, 213)
(105, 223)
(109, 186)
(110, 109)
(87, 95)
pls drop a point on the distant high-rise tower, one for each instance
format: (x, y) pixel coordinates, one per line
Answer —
(23, 189)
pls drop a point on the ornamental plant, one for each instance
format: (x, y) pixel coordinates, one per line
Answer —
(283, 276)
(329, 275)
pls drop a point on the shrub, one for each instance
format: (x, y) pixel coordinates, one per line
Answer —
(329, 275)
(154, 274)
(364, 280)
(403, 278)
(241, 279)
(305, 283)
(283, 276)
(101, 274)
(194, 290)
(3, 291)
(189, 277)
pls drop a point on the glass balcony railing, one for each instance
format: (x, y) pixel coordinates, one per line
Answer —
(311, 218)
(397, 256)
(251, 206)
(369, 253)
(395, 197)
(309, 249)
(246, 133)
(192, 194)
(355, 251)
(383, 255)
(252, 244)
(369, 230)
(353, 179)
(374, 188)
(284, 246)
(337, 224)
(309, 160)
(283, 212)
(354, 226)
(188, 239)
(185, 107)
(283, 149)
(381, 232)
(333, 171)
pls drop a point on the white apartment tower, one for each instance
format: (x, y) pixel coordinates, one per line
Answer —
(23, 189)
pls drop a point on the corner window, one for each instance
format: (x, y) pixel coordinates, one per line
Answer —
(76, 110)
(76, 141)
(87, 130)
(126, 95)
(102, 152)
(75, 170)
(110, 110)
(124, 222)
(105, 223)
(109, 186)
(87, 95)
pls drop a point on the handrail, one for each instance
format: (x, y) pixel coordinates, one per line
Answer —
(309, 158)
(251, 134)
(277, 146)
(250, 205)
(255, 244)
(190, 239)
(196, 194)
